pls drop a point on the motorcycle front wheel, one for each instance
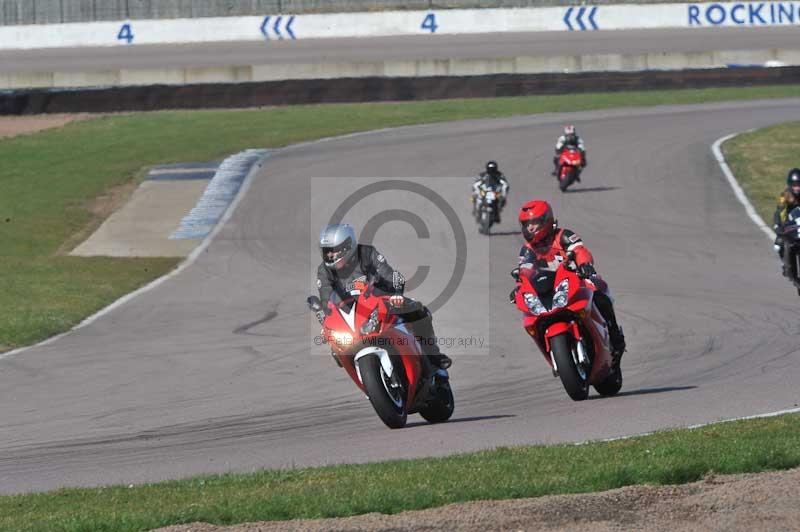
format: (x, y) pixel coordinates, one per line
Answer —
(487, 218)
(388, 399)
(567, 181)
(574, 378)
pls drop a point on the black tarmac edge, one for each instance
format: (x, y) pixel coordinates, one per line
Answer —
(375, 89)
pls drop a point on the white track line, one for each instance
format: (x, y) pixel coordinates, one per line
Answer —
(153, 284)
(737, 189)
(698, 426)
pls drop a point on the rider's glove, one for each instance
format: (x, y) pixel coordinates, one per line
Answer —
(396, 300)
(586, 270)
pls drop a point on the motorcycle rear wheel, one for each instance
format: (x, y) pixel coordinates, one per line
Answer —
(576, 385)
(391, 408)
(441, 408)
(611, 385)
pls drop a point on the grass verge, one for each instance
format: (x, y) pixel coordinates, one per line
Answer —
(670, 457)
(760, 161)
(50, 179)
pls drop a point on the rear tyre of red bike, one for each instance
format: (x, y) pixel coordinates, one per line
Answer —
(441, 408)
(388, 400)
(611, 385)
(574, 378)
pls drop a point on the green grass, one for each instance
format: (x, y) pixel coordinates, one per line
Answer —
(49, 178)
(672, 457)
(760, 161)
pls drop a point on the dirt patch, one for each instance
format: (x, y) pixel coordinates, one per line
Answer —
(11, 126)
(733, 503)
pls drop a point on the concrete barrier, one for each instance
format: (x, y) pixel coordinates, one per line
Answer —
(370, 89)
(25, 12)
(399, 23)
(402, 69)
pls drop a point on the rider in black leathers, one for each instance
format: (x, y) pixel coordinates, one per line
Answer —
(492, 178)
(346, 263)
(788, 200)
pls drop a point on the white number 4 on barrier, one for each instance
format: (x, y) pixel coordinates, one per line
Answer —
(125, 33)
(429, 24)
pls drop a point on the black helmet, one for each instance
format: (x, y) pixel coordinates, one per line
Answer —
(492, 169)
(793, 179)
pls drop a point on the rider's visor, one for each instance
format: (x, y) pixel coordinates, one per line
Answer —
(535, 223)
(333, 253)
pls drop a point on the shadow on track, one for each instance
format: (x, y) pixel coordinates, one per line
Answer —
(646, 391)
(459, 420)
(589, 189)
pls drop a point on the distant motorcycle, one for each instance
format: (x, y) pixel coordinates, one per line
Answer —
(569, 167)
(487, 205)
(559, 315)
(791, 247)
(384, 359)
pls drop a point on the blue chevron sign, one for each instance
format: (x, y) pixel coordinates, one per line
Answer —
(275, 27)
(578, 19)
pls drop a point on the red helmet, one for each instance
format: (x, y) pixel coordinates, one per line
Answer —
(537, 215)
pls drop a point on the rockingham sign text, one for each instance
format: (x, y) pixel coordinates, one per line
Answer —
(744, 14)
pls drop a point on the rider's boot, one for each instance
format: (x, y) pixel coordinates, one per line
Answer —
(555, 166)
(606, 308)
(430, 348)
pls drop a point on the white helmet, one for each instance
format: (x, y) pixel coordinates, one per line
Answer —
(569, 130)
(337, 242)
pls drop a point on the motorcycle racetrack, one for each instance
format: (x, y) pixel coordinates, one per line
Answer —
(216, 370)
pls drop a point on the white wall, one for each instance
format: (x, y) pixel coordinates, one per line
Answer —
(586, 18)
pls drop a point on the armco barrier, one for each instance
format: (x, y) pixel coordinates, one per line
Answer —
(377, 89)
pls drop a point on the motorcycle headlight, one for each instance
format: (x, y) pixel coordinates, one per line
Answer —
(533, 304)
(560, 297)
(371, 324)
(342, 338)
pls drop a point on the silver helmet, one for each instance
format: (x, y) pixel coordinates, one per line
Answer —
(337, 242)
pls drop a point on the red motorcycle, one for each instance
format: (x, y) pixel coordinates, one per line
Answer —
(569, 330)
(570, 163)
(383, 357)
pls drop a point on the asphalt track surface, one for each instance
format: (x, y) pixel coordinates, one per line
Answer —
(216, 370)
(477, 46)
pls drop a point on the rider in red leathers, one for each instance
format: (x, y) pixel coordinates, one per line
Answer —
(546, 243)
